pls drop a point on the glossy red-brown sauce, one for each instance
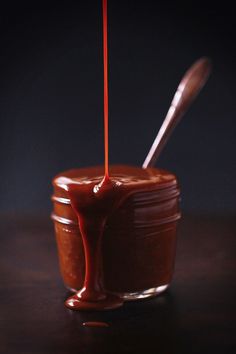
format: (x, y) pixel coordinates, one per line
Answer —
(95, 324)
(95, 200)
(95, 197)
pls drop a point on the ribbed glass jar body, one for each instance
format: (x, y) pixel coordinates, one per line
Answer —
(139, 241)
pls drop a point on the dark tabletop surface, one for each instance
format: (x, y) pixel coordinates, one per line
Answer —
(196, 315)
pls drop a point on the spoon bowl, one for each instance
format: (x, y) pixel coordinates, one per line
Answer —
(188, 89)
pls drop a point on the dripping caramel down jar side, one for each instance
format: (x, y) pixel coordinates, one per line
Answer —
(139, 241)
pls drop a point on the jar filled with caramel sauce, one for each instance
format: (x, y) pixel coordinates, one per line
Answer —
(139, 236)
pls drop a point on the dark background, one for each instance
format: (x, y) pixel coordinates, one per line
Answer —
(51, 96)
(51, 111)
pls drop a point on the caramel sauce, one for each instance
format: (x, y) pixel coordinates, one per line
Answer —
(95, 200)
(97, 196)
(95, 324)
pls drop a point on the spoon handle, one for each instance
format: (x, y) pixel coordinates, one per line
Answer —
(189, 87)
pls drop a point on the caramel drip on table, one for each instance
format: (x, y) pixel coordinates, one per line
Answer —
(93, 204)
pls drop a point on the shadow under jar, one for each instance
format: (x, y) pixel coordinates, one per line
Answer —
(139, 240)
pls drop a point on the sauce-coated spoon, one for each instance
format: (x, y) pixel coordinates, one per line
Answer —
(188, 89)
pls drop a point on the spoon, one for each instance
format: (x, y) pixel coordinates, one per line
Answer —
(188, 89)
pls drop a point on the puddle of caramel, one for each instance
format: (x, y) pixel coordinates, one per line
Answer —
(95, 324)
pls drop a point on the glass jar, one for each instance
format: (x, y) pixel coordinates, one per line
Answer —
(139, 241)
